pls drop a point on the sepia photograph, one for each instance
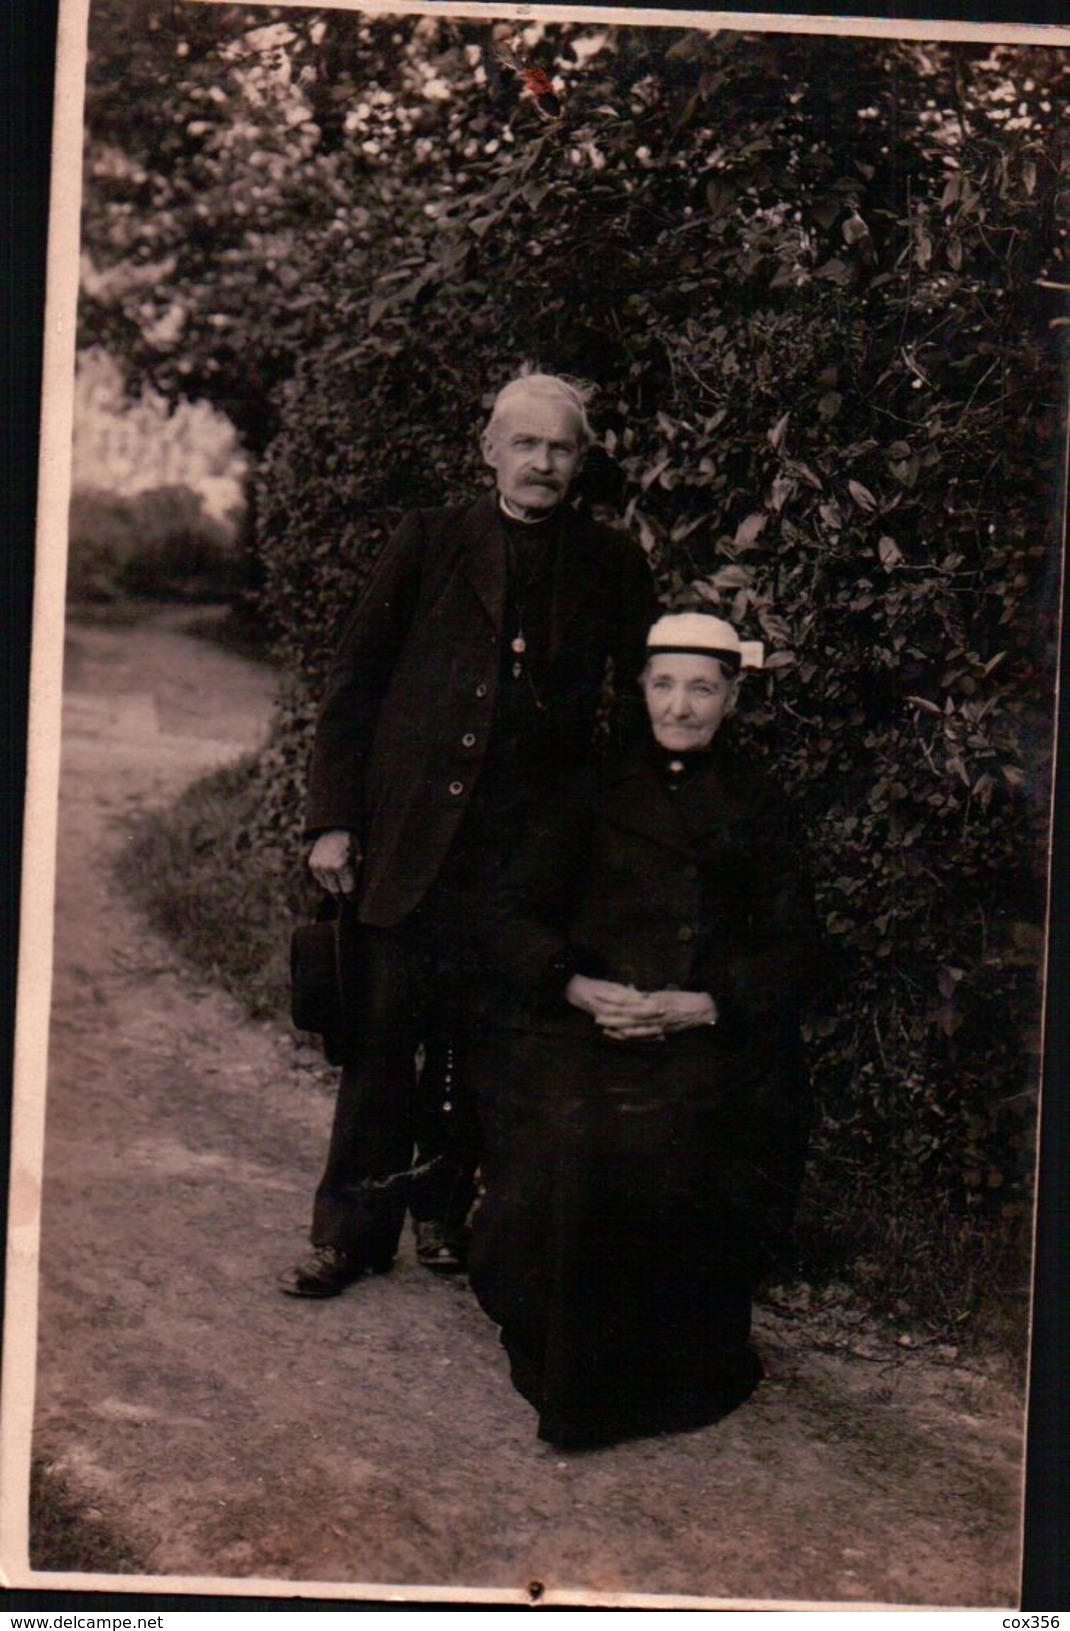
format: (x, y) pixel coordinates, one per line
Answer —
(531, 988)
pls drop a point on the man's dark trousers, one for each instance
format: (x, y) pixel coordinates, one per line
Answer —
(419, 979)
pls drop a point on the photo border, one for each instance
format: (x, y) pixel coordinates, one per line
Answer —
(43, 741)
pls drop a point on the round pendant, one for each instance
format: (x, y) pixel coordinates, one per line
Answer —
(519, 645)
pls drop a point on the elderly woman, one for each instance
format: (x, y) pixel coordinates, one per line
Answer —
(642, 1087)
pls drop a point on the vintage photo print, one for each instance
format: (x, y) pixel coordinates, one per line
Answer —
(531, 991)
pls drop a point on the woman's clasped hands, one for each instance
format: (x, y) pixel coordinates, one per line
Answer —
(624, 1014)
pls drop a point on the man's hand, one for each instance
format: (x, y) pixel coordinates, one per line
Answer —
(624, 1014)
(334, 859)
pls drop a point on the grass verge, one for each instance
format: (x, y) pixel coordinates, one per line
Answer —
(229, 908)
(69, 1537)
(239, 630)
(915, 1258)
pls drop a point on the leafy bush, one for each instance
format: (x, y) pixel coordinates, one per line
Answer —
(102, 540)
(159, 545)
(818, 282)
(806, 281)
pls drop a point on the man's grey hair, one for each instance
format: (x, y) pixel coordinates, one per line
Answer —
(574, 393)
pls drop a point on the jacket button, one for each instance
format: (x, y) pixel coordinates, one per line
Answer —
(456, 788)
(468, 740)
(481, 691)
(685, 933)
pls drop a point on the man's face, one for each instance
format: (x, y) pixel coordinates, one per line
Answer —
(687, 698)
(534, 448)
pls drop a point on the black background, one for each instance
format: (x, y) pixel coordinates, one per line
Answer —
(27, 64)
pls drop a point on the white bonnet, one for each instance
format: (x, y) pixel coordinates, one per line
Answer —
(701, 635)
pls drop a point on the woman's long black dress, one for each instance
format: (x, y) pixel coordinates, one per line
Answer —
(633, 1190)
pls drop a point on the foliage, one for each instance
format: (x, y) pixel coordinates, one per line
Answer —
(819, 284)
(158, 545)
(190, 868)
(214, 163)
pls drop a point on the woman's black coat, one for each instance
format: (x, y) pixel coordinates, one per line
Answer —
(696, 882)
(635, 1189)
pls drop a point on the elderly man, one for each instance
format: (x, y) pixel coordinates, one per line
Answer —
(468, 682)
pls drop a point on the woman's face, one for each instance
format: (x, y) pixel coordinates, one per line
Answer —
(687, 699)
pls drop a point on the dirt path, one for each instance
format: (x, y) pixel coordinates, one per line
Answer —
(227, 1432)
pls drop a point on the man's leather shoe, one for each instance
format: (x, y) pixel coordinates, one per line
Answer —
(327, 1272)
(439, 1249)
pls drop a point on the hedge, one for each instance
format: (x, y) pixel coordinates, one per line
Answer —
(814, 280)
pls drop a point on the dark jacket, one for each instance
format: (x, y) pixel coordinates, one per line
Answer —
(680, 1158)
(410, 699)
